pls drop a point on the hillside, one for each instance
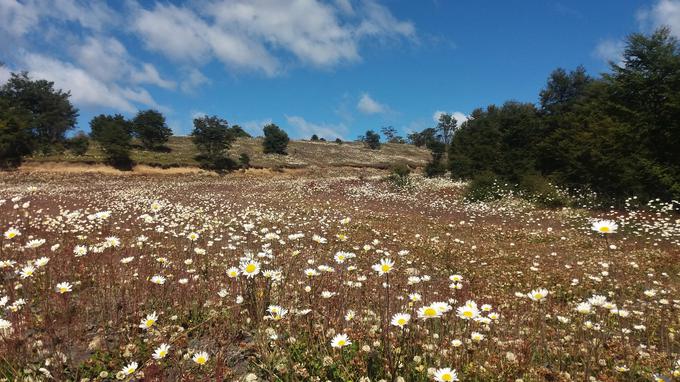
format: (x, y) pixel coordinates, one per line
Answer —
(301, 154)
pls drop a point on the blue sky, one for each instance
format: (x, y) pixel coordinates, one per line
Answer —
(335, 68)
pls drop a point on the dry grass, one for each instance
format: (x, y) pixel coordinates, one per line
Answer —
(294, 224)
(300, 154)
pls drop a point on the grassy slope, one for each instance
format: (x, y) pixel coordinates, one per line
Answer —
(300, 154)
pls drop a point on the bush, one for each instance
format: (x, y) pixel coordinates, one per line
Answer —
(485, 187)
(372, 140)
(275, 140)
(435, 169)
(314, 138)
(399, 175)
(338, 141)
(78, 144)
(539, 190)
(244, 160)
(219, 163)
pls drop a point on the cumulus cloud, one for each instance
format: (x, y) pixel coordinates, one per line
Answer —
(368, 105)
(4, 74)
(254, 127)
(255, 34)
(86, 89)
(663, 12)
(459, 116)
(305, 129)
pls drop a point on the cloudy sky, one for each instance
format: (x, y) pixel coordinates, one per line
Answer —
(335, 68)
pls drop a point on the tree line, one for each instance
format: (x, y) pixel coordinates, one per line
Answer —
(617, 135)
(35, 118)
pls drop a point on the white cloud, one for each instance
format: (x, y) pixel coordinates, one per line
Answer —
(249, 34)
(664, 12)
(254, 127)
(193, 80)
(19, 18)
(86, 89)
(609, 51)
(368, 105)
(305, 129)
(459, 116)
(4, 74)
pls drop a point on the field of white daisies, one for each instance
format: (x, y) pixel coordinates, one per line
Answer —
(334, 278)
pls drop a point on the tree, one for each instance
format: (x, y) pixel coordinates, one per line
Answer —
(390, 134)
(445, 127)
(275, 140)
(48, 112)
(372, 140)
(238, 132)
(314, 138)
(213, 137)
(150, 128)
(113, 133)
(422, 138)
(16, 137)
(563, 89)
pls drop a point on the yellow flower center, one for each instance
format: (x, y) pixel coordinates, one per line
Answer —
(63, 290)
(11, 235)
(430, 312)
(538, 296)
(149, 323)
(467, 313)
(385, 268)
(447, 377)
(341, 343)
(200, 360)
(162, 353)
(250, 268)
(401, 321)
(604, 229)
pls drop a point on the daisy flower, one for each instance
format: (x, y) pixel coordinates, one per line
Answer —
(130, 368)
(400, 319)
(445, 375)
(250, 268)
(232, 272)
(158, 280)
(201, 358)
(468, 311)
(538, 294)
(64, 287)
(12, 233)
(27, 271)
(161, 351)
(340, 340)
(148, 321)
(428, 311)
(604, 226)
(384, 267)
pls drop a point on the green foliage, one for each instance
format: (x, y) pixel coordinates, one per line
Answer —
(16, 138)
(114, 136)
(78, 144)
(485, 186)
(213, 137)
(244, 160)
(47, 112)
(314, 138)
(372, 140)
(399, 175)
(543, 193)
(150, 128)
(275, 140)
(617, 136)
(338, 141)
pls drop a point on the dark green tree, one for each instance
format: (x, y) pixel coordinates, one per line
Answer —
(150, 128)
(275, 140)
(78, 144)
(16, 137)
(372, 140)
(213, 137)
(113, 133)
(49, 112)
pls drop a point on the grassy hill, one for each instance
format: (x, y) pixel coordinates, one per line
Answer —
(301, 154)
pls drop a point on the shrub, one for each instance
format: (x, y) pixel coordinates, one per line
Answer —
(78, 144)
(539, 190)
(372, 140)
(399, 175)
(275, 140)
(244, 160)
(338, 141)
(314, 138)
(15, 141)
(434, 169)
(485, 187)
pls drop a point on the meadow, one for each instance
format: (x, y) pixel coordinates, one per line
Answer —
(328, 275)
